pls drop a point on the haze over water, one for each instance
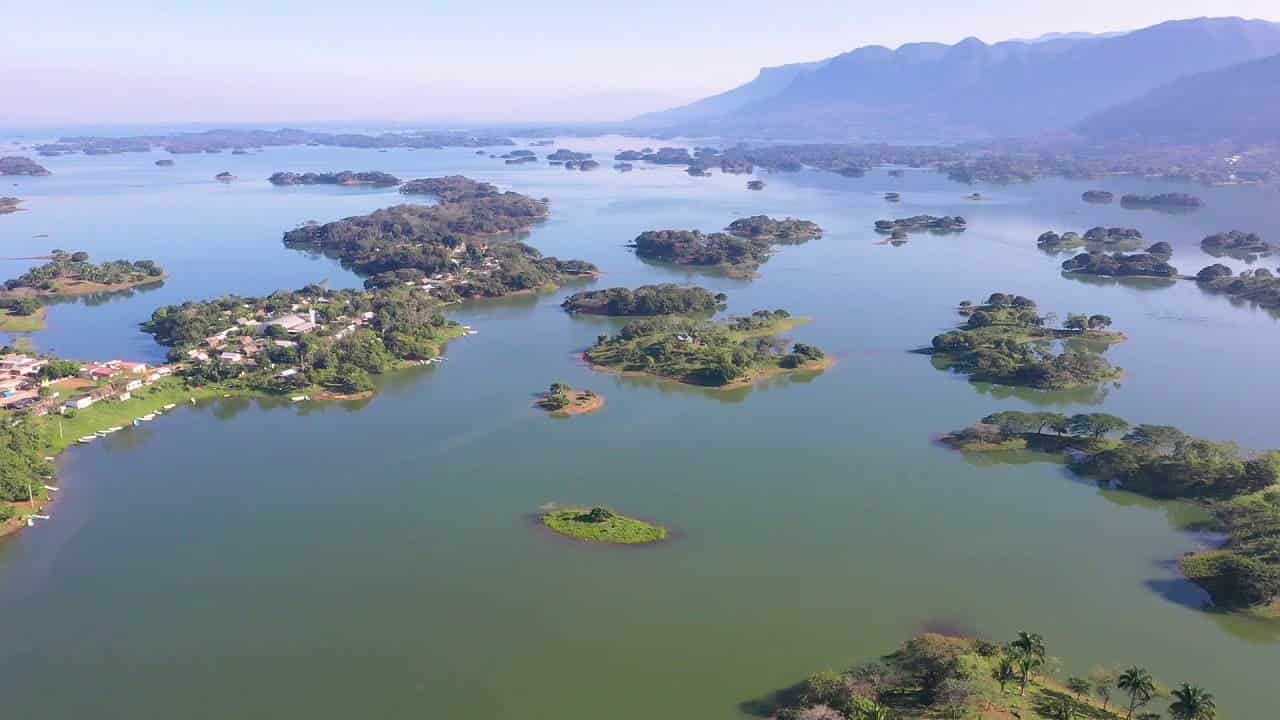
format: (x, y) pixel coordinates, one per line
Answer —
(253, 559)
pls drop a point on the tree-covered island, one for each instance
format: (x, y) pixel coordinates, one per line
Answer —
(935, 675)
(738, 252)
(937, 225)
(1239, 488)
(9, 205)
(462, 247)
(1259, 286)
(695, 351)
(1097, 238)
(1169, 202)
(1100, 197)
(1005, 341)
(18, 165)
(1236, 244)
(67, 274)
(599, 524)
(1118, 264)
(562, 400)
(665, 299)
(345, 177)
(788, 231)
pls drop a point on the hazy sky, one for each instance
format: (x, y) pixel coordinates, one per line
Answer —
(80, 61)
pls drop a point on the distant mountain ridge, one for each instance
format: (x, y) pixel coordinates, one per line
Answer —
(969, 90)
(1240, 103)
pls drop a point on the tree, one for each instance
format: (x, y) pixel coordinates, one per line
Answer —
(1079, 686)
(1098, 322)
(1138, 684)
(1029, 653)
(1103, 682)
(1192, 703)
(1157, 438)
(1061, 708)
(1005, 671)
(1076, 322)
(1095, 425)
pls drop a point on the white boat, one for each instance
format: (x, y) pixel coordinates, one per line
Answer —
(148, 417)
(170, 406)
(299, 398)
(87, 439)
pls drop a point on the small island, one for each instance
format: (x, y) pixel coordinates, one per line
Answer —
(1260, 286)
(1005, 341)
(561, 400)
(345, 177)
(164, 162)
(936, 225)
(666, 299)
(18, 165)
(1169, 202)
(1238, 488)
(1096, 238)
(1100, 197)
(462, 247)
(737, 257)
(624, 167)
(755, 184)
(788, 231)
(1121, 265)
(224, 176)
(598, 524)
(1236, 244)
(692, 351)
(9, 205)
(565, 155)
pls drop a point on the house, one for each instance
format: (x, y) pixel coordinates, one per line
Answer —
(133, 368)
(296, 324)
(231, 357)
(79, 402)
(11, 385)
(288, 373)
(101, 370)
(15, 364)
(124, 396)
(132, 385)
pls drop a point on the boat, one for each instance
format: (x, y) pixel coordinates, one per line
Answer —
(170, 406)
(148, 417)
(87, 439)
(299, 398)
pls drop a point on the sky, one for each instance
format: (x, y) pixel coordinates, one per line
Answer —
(80, 62)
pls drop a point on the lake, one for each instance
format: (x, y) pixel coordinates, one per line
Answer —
(378, 559)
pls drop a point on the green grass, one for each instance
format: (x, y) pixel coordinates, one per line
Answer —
(23, 323)
(618, 529)
(60, 432)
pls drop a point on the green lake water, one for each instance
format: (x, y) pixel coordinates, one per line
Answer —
(254, 560)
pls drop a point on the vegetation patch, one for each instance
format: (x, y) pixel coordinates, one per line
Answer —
(666, 299)
(599, 524)
(942, 676)
(563, 401)
(701, 352)
(1005, 341)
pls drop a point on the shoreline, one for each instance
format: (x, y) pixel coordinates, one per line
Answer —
(580, 403)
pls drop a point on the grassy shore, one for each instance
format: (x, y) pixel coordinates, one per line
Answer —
(23, 323)
(601, 525)
(61, 432)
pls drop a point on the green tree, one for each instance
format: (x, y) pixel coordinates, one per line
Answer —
(1095, 425)
(1079, 686)
(1005, 671)
(1029, 653)
(1138, 684)
(1061, 708)
(1192, 703)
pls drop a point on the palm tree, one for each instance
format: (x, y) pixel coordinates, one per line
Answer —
(1138, 685)
(1005, 671)
(1192, 703)
(1029, 652)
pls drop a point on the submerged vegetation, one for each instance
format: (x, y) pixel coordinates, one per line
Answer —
(666, 299)
(1005, 341)
(1161, 461)
(598, 524)
(700, 352)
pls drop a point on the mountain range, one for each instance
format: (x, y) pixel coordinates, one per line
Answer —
(932, 92)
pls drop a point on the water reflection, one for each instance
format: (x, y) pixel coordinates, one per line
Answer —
(1143, 284)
